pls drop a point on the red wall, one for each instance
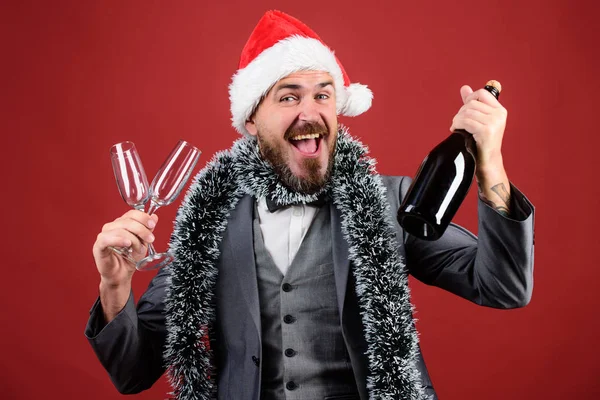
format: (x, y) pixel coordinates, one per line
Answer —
(80, 76)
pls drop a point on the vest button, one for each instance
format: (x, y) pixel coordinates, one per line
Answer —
(291, 385)
(288, 319)
(287, 287)
(255, 360)
(289, 352)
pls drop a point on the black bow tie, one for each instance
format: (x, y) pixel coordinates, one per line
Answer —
(319, 202)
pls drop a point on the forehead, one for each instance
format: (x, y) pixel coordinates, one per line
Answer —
(305, 78)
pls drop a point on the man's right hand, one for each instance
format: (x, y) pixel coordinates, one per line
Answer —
(134, 230)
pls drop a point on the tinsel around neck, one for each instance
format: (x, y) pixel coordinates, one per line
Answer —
(258, 178)
(380, 282)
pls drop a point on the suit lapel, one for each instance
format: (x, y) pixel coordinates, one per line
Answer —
(341, 263)
(239, 257)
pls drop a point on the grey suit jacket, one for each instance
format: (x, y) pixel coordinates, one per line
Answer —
(495, 270)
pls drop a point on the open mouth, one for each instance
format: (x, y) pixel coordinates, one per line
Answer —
(307, 144)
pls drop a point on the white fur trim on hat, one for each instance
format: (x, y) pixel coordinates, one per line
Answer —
(359, 99)
(297, 53)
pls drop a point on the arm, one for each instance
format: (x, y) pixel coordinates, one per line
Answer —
(130, 346)
(494, 270)
(128, 342)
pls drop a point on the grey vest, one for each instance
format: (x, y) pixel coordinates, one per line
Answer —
(303, 352)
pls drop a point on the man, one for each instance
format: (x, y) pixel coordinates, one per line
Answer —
(290, 277)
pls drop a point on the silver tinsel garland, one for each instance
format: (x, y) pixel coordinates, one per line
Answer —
(381, 282)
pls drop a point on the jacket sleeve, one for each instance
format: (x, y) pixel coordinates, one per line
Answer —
(494, 269)
(130, 347)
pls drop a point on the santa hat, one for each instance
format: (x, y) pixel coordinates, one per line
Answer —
(279, 46)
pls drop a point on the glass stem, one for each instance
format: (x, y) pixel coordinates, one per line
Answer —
(153, 207)
(151, 210)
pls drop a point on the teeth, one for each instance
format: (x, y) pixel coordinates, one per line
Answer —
(302, 137)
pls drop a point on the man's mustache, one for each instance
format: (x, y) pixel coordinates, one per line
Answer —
(308, 128)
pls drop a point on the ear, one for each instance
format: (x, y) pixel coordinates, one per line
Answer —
(251, 126)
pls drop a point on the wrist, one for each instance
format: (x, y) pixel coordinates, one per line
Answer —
(490, 170)
(113, 298)
(112, 284)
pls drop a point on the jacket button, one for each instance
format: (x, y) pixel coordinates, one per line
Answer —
(289, 352)
(291, 385)
(256, 360)
(287, 287)
(288, 319)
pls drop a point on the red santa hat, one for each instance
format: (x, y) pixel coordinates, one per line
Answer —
(280, 45)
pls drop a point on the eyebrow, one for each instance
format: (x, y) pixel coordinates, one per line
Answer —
(296, 86)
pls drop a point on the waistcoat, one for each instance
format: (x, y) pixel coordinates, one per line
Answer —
(304, 354)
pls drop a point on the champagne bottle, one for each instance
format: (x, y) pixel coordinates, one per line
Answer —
(441, 184)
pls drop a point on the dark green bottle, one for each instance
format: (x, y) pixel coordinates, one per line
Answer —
(441, 184)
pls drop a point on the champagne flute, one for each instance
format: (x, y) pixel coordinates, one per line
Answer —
(131, 181)
(166, 186)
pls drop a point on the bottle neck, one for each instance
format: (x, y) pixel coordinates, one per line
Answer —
(468, 139)
(493, 90)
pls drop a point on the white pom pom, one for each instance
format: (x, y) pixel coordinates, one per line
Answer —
(359, 99)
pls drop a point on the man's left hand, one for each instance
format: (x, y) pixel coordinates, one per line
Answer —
(484, 117)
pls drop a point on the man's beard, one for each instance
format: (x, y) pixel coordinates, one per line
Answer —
(274, 154)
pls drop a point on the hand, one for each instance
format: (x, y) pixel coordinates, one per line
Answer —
(485, 118)
(133, 229)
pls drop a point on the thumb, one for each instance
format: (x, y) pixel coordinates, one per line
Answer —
(465, 91)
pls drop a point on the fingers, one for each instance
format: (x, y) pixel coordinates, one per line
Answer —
(465, 92)
(140, 216)
(470, 125)
(105, 240)
(133, 229)
(478, 106)
(480, 95)
(473, 111)
(120, 237)
(136, 222)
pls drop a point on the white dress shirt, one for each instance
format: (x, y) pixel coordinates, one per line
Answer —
(284, 230)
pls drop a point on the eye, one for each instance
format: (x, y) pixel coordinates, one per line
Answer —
(287, 99)
(322, 96)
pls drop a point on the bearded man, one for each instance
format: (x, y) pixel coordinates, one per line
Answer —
(290, 272)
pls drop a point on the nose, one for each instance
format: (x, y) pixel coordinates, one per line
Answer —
(309, 111)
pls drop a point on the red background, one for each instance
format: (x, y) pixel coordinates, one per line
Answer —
(78, 76)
